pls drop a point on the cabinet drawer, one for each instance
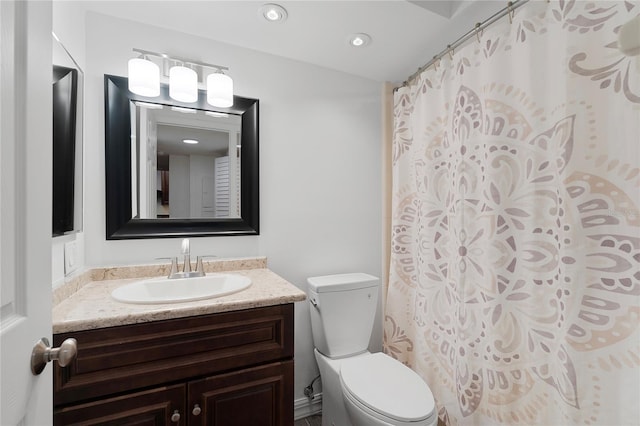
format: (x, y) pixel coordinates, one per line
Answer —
(152, 407)
(119, 359)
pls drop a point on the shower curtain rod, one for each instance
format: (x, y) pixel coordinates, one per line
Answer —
(477, 30)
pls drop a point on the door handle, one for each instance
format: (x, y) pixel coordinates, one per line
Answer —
(42, 354)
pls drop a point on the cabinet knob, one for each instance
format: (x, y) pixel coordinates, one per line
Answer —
(196, 410)
(175, 417)
(42, 354)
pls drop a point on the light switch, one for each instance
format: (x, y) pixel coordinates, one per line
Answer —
(70, 257)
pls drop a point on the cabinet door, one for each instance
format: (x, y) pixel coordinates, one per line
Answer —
(258, 396)
(149, 408)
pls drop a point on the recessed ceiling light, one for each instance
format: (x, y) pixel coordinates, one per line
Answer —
(273, 12)
(359, 40)
(190, 141)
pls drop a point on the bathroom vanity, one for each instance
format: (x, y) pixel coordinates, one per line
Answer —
(222, 361)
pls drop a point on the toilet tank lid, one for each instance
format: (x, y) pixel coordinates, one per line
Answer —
(341, 282)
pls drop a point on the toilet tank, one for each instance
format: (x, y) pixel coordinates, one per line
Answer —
(342, 310)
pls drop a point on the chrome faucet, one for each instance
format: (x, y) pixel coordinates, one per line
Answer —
(187, 271)
(186, 252)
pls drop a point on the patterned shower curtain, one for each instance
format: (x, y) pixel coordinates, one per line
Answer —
(514, 285)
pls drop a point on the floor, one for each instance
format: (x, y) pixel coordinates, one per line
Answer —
(309, 421)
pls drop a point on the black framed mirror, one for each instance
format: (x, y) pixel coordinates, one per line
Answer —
(67, 138)
(65, 102)
(128, 214)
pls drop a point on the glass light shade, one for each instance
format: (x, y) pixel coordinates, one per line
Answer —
(144, 77)
(183, 84)
(219, 90)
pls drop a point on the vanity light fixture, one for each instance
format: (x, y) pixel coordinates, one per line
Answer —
(148, 105)
(144, 78)
(273, 12)
(184, 110)
(190, 141)
(183, 84)
(217, 114)
(359, 40)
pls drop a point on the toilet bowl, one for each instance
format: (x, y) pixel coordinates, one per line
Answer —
(360, 388)
(380, 391)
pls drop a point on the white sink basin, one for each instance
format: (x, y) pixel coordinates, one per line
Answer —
(164, 290)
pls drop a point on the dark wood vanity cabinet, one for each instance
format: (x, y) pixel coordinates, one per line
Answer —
(232, 369)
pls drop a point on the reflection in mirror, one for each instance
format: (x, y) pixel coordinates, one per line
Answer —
(159, 186)
(187, 163)
(68, 80)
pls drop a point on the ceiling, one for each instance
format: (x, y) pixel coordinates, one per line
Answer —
(405, 34)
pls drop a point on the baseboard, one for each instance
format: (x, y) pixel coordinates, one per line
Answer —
(305, 407)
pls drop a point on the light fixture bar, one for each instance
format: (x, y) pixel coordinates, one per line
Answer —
(184, 77)
(178, 59)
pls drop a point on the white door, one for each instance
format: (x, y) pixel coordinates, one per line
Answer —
(25, 209)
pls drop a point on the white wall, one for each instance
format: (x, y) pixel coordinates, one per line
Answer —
(320, 172)
(201, 168)
(179, 184)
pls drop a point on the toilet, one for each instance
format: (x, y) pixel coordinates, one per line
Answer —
(360, 388)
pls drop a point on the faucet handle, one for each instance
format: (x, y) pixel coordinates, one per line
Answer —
(199, 265)
(174, 264)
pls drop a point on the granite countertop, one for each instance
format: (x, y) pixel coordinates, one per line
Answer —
(90, 305)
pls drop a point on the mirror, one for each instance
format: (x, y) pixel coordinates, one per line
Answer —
(187, 161)
(67, 86)
(158, 185)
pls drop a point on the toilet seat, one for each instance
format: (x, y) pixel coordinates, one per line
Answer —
(387, 389)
